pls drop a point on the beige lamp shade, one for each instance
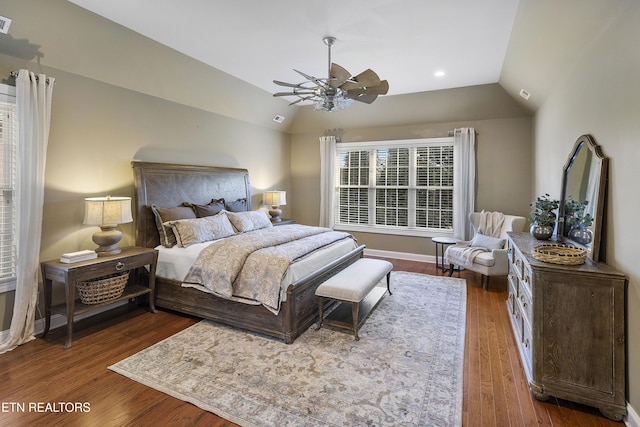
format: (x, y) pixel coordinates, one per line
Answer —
(107, 212)
(275, 198)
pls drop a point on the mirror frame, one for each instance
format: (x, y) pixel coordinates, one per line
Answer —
(587, 142)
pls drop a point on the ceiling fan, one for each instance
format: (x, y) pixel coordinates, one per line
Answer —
(339, 89)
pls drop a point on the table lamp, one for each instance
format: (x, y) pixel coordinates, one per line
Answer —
(276, 199)
(107, 213)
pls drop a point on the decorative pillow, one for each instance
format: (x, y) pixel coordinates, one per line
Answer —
(205, 229)
(162, 215)
(487, 242)
(249, 220)
(239, 205)
(214, 207)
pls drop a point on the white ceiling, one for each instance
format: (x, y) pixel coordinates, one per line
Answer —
(403, 41)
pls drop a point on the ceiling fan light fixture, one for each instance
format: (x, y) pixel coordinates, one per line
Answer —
(338, 90)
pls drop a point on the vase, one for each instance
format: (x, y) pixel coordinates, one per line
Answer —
(541, 232)
(581, 235)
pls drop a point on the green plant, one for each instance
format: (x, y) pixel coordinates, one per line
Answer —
(574, 213)
(543, 207)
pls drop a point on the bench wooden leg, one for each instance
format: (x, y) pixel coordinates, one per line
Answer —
(355, 306)
(320, 309)
(388, 281)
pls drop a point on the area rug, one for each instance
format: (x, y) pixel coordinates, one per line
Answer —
(406, 370)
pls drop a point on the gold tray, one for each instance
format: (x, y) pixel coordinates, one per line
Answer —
(559, 253)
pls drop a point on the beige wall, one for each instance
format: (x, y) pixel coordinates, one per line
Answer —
(119, 97)
(503, 150)
(599, 96)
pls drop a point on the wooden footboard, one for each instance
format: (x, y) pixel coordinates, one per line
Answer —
(297, 313)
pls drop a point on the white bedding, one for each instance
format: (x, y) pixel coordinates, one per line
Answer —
(174, 263)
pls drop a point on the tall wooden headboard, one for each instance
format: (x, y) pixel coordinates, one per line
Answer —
(168, 185)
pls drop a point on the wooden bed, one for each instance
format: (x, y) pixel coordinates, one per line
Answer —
(169, 185)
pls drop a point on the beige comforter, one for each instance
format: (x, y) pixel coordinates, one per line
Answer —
(250, 266)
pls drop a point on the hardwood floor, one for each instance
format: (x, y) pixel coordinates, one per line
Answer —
(41, 372)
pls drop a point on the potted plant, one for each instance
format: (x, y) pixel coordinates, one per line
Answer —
(543, 217)
(578, 222)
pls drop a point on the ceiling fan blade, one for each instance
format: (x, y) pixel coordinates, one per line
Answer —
(380, 89)
(279, 83)
(316, 80)
(300, 100)
(292, 93)
(351, 85)
(367, 78)
(338, 76)
(367, 98)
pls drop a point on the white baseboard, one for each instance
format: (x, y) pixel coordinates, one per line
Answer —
(633, 419)
(400, 255)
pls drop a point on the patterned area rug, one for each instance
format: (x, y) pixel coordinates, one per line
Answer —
(406, 370)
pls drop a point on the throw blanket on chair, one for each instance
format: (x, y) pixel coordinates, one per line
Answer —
(491, 223)
(463, 254)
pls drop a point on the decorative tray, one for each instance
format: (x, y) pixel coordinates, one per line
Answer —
(559, 253)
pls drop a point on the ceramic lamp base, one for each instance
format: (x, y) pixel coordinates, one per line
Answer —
(107, 240)
(275, 213)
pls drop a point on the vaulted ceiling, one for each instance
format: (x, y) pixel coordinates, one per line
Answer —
(405, 41)
(520, 44)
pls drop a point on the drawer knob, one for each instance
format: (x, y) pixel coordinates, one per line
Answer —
(524, 302)
(119, 265)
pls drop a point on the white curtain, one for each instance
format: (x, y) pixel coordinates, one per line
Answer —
(33, 106)
(327, 179)
(464, 182)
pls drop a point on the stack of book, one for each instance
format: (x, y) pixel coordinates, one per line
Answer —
(70, 257)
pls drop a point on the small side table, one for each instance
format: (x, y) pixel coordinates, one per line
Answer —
(441, 245)
(129, 259)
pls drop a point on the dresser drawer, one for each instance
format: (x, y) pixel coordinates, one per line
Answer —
(527, 278)
(115, 266)
(511, 300)
(524, 300)
(516, 262)
(526, 346)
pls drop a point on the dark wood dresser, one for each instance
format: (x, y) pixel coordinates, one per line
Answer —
(569, 325)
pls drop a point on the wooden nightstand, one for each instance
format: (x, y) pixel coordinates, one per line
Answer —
(284, 222)
(129, 259)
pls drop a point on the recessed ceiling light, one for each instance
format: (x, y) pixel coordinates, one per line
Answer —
(439, 73)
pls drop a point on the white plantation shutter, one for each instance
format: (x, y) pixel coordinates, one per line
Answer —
(392, 186)
(8, 143)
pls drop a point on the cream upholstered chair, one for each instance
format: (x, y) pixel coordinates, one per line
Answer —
(485, 254)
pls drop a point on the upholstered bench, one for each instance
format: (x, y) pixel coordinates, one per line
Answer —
(352, 285)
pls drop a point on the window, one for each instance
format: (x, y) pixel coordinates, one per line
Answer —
(8, 144)
(395, 187)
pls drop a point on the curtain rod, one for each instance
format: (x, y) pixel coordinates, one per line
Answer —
(14, 74)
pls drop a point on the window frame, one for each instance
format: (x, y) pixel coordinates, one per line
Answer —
(8, 95)
(371, 227)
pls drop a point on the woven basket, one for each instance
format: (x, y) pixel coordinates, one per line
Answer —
(102, 290)
(559, 254)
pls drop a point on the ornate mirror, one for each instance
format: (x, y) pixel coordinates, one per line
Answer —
(584, 183)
